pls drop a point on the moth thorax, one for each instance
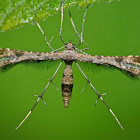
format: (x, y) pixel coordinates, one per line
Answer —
(69, 46)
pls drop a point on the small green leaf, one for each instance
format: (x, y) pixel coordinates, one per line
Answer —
(14, 13)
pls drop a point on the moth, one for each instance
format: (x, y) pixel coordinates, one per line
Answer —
(71, 54)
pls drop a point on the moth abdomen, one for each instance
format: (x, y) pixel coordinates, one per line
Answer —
(66, 94)
(67, 83)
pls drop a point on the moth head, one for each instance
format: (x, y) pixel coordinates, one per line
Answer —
(69, 46)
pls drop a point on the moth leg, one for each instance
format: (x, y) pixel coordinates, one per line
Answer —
(80, 51)
(80, 36)
(58, 49)
(54, 84)
(85, 86)
(61, 22)
(39, 97)
(100, 97)
(50, 40)
(48, 43)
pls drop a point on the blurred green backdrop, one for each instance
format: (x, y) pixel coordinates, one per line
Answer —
(110, 29)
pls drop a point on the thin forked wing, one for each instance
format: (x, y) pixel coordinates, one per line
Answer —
(11, 56)
(128, 63)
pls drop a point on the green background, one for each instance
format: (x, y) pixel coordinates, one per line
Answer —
(110, 29)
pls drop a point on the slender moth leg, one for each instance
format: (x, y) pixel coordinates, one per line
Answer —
(85, 86)
(61, 22)
(39, 97)
(81, 37)
(54, 85)
(58, 49)
(77, 43)
(51, 40)
(99, 96)
(80, 51)
(48, 43)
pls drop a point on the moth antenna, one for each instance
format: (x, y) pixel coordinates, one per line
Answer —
(80, 37)
(83, 25)
(61, 22)
(100, 97)
(48, 43)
